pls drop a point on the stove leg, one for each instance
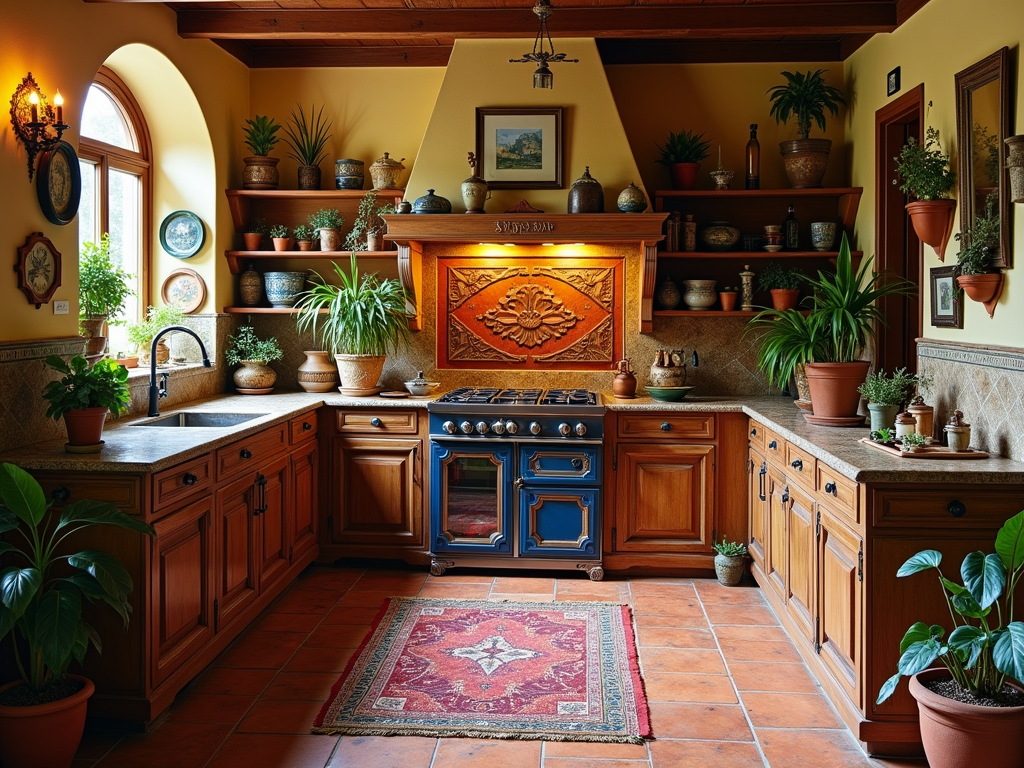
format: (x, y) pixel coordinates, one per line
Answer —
(596, 573)
(438, 567)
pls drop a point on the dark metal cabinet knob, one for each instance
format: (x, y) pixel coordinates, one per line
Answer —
(956, 508)
(189, 479)
(774, 444)
(666, 427)
(376, 422)
(785, 495)
(753, 432)
(577, 464)
(306, 426)
(797, 464)
(830, 488)
(60, 493)
(245, 453)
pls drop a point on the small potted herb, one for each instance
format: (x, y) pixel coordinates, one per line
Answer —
(886, 395)
(253, 236)
(303, 237)
(730, 561)
(885, 435)
(141, 334)
(975, 274)
(83, 395)
(326, 224)
(783, 283)
(912, 441)
(260, 170)
(925, 175)
(682, 154)
(280, 234)
(728, 296)
(245, 348)
(103, 291)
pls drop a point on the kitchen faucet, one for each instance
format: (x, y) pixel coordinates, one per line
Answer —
(156, 392)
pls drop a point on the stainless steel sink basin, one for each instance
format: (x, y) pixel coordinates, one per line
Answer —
(200, 419)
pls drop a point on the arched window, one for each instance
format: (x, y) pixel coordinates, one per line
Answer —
(115, 154)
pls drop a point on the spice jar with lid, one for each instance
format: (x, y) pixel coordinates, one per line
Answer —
(958, 432)
(385, 172)
(906, 424)
(925, 416)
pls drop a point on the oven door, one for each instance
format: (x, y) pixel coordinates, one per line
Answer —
(471, 496)
(560, 521)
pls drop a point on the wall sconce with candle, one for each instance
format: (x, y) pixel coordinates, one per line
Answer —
(37, 124)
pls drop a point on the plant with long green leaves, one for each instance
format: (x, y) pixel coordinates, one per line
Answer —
(986, 645)
(787, 340)
(104, 384)
(40, 600)
(260, 134)
(807, 97)
(363, 315)
(683, 147)
(103, 286)
(307, 137)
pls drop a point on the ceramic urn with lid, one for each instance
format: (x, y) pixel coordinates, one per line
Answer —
(431, 203)
(385, 171)
(586, 195)
(958, 432)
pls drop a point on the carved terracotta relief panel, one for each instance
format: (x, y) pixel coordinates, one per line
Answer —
(529, 312)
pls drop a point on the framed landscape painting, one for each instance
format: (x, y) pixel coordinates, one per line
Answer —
(947, 298)
(520, 148)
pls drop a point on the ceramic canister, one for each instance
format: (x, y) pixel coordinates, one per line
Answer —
(283, 288)
(385, 172)
(348, 174)
(586, 195)
(632, 199)
(431, 203)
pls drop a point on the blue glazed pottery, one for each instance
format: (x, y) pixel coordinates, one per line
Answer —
(283, 288)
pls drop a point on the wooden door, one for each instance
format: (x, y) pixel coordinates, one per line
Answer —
(378, 491)
(775, 555)
(181, 588)
(273, 523)
(757, 506)
(800, 596)
(235, 566)
(305, 500)
(840, 634)
(665, 498)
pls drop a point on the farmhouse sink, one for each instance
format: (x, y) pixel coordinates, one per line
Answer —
(200, 419)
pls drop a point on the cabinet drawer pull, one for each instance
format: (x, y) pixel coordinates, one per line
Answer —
(774, 445)
(830, 488)
(760, 481)
(189, 479)
(245, 453)
(306, 426)
(753, 432)
(956, 508)
(666, 427)
(376, 422)
(797, 464)
(60, 493)
(577, 464)
(785, 495)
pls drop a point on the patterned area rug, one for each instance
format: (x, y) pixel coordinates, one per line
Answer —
(438, 667)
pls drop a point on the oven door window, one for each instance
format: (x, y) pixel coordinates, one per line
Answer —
(471, 493)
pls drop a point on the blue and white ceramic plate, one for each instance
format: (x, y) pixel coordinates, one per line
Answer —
(182, 234)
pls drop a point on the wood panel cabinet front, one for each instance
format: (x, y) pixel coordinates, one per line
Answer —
(665, 498)
(777, 558)
(305, 511)
(272, 524)
(236, 577)
(800, 573)
(839, 639)
(757, 495)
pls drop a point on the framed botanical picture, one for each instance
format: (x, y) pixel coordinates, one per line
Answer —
(520, 147)
(947, 298)
(38, 268)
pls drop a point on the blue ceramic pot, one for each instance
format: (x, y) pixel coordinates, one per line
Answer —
(283, 288)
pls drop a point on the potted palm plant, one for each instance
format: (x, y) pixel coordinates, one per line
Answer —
(974, 269)
(103, 291)
(364, 318)
(260, 170)
(787, 342)
(83, 395)
(682, 154)
(254, 355)
(806, 97)
(972, 711)
(307, 138)
(782, 283)
(925, 174)
(42, 715)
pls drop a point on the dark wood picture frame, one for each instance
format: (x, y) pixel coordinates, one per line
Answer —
(947, 298)
(39, 269)
(491, 120)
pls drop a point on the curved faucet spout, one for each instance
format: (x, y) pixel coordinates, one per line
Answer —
(155, 392)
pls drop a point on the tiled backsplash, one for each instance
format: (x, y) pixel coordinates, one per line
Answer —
(987, 384)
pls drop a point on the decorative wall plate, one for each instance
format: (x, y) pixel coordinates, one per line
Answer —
(182, 234)
(59, 184)
(38, 268)
(184, 289)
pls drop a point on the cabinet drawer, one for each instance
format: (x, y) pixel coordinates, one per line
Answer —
(302, 428)
(667, 425)
(755, 432)
(181, 482)
(774, 447)
(251, 451)
(123, 491)
(944, 507)
(840, 493)
(369, 422)
(800, 466)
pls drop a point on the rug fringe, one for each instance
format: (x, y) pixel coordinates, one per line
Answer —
(470, 733)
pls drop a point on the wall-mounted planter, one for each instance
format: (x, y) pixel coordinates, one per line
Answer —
(933, 222)
(1015, 165)
(985, 289)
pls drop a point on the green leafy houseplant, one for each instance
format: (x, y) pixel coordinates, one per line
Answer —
(279, 230)
(307, 137)
(912, 441)
(303, 232)
(978, 245)
(260, 134)
(883, 435)
(986, 645)
(774, 276)
(325, 218)
(103, 286)
(247, 346)
(683, 147)
(883, 389)
(102, 385)
(141, 334)
(924, 170)
(41, 600)
(729, 548)
(806, 97)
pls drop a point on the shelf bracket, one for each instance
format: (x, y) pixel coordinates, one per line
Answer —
(647, 277)
(410, 273)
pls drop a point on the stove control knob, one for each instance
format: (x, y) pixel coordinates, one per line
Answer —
(564, 429)
(482, 428)
(581, 429)
(511, 427)
(534, 428)
(466, 427)
(498, 427)
(449, 427)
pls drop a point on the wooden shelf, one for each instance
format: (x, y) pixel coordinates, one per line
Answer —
(236, 258)
(753, 254)
(263, 311)
(710, 312)
(754, 193)
(296, 203)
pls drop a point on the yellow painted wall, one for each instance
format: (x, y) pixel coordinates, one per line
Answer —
(943, 38)
(64, 50)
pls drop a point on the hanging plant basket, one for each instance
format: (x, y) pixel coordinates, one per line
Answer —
(933, 222)
(985, 289)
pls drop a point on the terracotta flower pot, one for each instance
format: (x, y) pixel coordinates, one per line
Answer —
(359, 373)
(45, 735)
(683, 175)
(283, 243)
(85, 425)
(985, 288)
(933, 222)
(956, 734)
(785, 298)
(805, 161)
(728, 299)
(834, 387)
(253, 240)
(304, 245)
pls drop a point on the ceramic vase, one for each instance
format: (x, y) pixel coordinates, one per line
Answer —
(668, 295)
(260, 172)
(283, 288)
(632, 199)
(700, 294)
(586, 195)
(882, 416)
(431, 203)
(254, 377)
(250, 286)
(385, 171)
(720, 236)
(823, 235)
(805, 161)
(309, 177)
(348, 174)
(330, 239)
(317, 373)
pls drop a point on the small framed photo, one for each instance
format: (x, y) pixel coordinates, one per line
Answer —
(520, 148)
(947, 298)
(892, 82)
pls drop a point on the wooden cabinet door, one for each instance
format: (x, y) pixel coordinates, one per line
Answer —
(757, 507)
(181, 588)
(776, 559)
(840, 633)
(304, 503)
(378, 494)
(665, 498)
(801, 593)
(273, 523)
(236, 575)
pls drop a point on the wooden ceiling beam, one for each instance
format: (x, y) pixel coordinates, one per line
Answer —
(716, 52)
(632, 22)
(351, 56)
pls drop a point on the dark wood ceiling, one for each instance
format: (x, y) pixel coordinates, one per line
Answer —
(391, 33)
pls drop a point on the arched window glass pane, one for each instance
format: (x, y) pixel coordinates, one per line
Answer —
(103, 120)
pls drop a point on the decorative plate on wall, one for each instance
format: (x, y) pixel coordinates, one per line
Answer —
(182, 234)
(59, 184)
(38, 268)
(184, 289)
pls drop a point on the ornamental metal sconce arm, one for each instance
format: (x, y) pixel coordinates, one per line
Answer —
(542, 77)
(36, 124)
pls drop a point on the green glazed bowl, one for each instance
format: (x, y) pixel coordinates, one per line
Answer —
(669, 394)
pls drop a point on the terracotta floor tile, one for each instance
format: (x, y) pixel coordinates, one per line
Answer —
(516, 584)
(337, 636)
(740, 614)
(644, 619)
(630, 752)
(464, 576)
(347, 614)
(522, 597)
(288, 622)
(793, 748)
(779, 677)
(705, 754)
(192, 707)
(229, 680)
(670, 591)
(689, 661)
(685, 612)
(571, 589)
(457, 590)
(280, 716)
(366, 599)
(705, 689)
(383, 752)
(96, 743)
(729, 633)
(487, 753)
(327, 577)
(569, 762)
(407, 584)
(671, 637)
(748, 650)
(670, 720)
(170, 745)
(268, 750)
(789, 710)
(301, 685)
(261, 650)
(713, 592)
(316, 601)
(319, 660)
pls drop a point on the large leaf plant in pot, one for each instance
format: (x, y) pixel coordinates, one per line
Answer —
(925, 175)
(43, 590)
(806, 97)
(359, 321)
(83, 395)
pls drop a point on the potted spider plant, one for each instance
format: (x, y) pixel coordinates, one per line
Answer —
(925, 174)
(805, 96)
(974, 269)
(364, 318)
(307, 138)
(260, 170)
(83, 396)
(682, 154)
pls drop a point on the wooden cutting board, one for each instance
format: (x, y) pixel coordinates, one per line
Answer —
(926, 451)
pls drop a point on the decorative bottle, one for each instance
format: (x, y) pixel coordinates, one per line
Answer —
(753, 160)
(250, 285)
(689, 234)
(474, 189)
(791, 231)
